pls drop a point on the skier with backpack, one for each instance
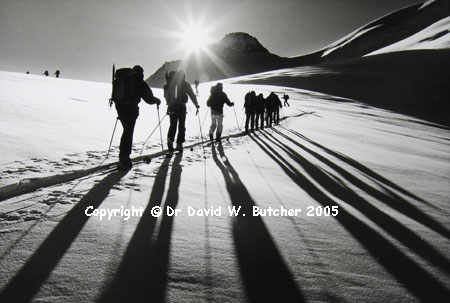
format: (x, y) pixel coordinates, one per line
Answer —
(128, 89)
(216, 101)
(249, 105)
(259, 111)
(276, 109)
(270, 109)
(176, 92)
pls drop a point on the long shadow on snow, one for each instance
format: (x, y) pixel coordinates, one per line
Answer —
(386, 222)
(405, 270)
(142, 274)
(265, 275)
(27, 282)
(392, 200)
(359, 166)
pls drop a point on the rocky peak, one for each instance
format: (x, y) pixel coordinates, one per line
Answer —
(240, 43)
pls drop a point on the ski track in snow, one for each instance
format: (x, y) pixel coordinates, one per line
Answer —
(387, 173)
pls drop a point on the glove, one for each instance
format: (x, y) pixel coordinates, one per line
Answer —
(232, 103)
(157, 101)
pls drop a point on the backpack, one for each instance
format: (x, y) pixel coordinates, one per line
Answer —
(175, 93)
(247, 100)
(214, 96)
(125, 86)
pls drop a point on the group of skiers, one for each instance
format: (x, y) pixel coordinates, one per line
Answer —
(129, 87)
(260, 110)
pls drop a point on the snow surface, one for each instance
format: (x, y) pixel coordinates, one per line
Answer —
(389, 175)
(435, 36)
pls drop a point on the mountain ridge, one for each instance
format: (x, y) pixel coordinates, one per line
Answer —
(239, 53)
(235, 54)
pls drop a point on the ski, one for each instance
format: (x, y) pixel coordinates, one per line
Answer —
(32, 184)
(214, 142)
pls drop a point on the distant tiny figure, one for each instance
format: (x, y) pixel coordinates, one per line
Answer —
(216, 101)
(286, 98)
(249, 105)
(28, 72)
(176, 92)
(196, 83)
(57, 73)
(46, 73)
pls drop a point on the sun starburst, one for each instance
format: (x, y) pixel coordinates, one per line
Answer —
(194, 38)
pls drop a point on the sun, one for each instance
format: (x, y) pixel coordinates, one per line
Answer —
(195, 38)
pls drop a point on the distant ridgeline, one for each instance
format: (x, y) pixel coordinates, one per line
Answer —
(240, 54)
(400, 61)
(236, 54)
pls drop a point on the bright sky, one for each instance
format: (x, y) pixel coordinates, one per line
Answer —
(83, 38)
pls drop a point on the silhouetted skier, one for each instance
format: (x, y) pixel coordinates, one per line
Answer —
(176, 93)
(286, 98)
(276, 109)
(128, 110)
(28, 72)
(46, 73)
(57, 73)
(216, 101)
(196, 83)
(270, 105)
(249, 105)
(259, 111)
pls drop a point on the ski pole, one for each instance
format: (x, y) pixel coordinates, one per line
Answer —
(110, 143)
(237, 121)
(206, 115)
(201, 135)
(160, 131)
(143, 145)
(204, 119)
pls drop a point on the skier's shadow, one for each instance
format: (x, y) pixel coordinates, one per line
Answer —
(402, 267)
(364, 169)
(397, 230)
(389, 198)
(27, 282)
(265, 275)
(142, 274)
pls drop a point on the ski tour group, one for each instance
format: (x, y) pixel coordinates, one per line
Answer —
(129, 88)
(259, 110)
